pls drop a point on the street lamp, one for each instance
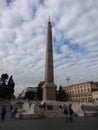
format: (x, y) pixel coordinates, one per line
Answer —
(68, 79)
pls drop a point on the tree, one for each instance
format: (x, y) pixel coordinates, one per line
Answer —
(57, 95)
(4, 77)
(10, 86)
(3, 91)
(39, 92)
(6, 86)
(61, 94)
(30, 95)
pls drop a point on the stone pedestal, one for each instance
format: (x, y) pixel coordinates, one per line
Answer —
(49, 92)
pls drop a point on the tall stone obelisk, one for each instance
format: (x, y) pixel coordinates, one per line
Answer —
(49, 88)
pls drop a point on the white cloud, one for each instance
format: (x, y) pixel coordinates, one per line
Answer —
(23, 28)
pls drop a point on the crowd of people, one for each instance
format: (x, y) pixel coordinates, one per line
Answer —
(4, 111)
(68, 112)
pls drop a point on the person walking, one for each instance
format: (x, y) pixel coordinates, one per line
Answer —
(70, 113)
(66, 113)
(14, 112)
(11, 108)
(3, 112)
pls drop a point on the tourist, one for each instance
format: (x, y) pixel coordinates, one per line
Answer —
(14, 112)
(60, 106)
(11, 108)
(3, 112)
(70, 113)
(66, 113)
(44, 105)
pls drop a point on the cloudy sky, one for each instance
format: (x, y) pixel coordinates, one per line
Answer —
(23, 27)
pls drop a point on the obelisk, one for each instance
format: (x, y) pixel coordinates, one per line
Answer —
(49, 88)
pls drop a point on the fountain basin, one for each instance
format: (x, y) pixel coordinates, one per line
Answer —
(27, 115)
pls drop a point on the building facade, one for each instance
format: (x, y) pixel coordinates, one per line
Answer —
(95, 96)
(22, 94)
(81, 92)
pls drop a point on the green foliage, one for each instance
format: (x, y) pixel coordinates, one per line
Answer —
(4, 77)
(30, 95)
(61, 94)
(39, 92)
(6, 86)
